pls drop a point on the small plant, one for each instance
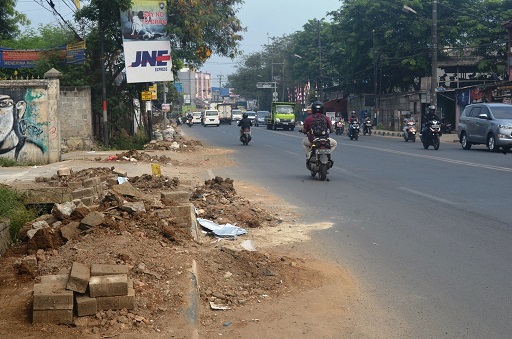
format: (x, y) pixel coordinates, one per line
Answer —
(123, 141)
(12, 207)
(8, 162)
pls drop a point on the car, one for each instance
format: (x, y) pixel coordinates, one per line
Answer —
(252, 116)
(486, 123)
(197, 117)
(236, 115)
(211, 117)
(260, 117)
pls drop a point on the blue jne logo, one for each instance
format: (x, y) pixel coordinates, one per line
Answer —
(155, 58)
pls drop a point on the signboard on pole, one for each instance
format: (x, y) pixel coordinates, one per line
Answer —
(146, 95)
(147, 49)
(266, 85)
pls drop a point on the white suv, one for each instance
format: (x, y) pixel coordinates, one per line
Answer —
(211, 117)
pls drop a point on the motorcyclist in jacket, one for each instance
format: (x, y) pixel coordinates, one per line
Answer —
(431, 115)
(244, 123)
(353, 119)
(317, 107)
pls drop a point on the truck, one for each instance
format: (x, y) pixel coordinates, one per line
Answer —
(225, 111)
(282, 115)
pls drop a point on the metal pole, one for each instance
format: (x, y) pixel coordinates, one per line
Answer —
(320, 85)
(433, 80)
(103, 83)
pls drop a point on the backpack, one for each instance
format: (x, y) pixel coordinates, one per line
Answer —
(319, 126)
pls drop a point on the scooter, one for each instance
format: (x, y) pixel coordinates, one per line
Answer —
(339, 127)
(410, 132)
(319, 159)
(353, 131)
(431, 136)
(446, 127)
(246, 136)
(190, 123)
(367, 127)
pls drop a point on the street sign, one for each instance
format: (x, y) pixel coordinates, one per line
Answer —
(146, 95)
(265, 85)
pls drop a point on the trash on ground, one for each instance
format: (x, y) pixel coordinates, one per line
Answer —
(225, 230)
(248, 245)
(215, 306)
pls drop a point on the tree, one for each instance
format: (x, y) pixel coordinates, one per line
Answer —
(9, 20)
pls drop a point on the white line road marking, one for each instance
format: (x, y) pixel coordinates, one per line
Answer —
(428, 196)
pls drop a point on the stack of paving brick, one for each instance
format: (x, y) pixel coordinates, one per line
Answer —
(95, 288)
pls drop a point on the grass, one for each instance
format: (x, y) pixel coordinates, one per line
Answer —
(123, 141)
(12, 207)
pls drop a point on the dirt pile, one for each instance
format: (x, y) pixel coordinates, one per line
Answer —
(130, 226)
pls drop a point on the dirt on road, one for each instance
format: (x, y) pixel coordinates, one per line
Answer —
(253, 286)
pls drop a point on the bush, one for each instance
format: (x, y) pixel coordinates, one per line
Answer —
(123, 141)
(12, 207)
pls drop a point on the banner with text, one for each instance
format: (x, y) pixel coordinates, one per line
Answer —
(147, 49)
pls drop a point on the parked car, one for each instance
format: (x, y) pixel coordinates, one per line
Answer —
(211, 117)
(197, 117)
(260, 117)
(486, 123)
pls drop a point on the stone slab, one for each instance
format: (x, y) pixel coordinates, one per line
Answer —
(52, 296)
(117, 302)
(79, 277)
(47, 195)
(105, 269)
(85, 305)
(108, 285)
(52, 316)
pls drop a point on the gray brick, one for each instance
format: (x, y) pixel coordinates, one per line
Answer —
(105, 269)
(79, 277)
(52, 316)
(108, 285)
(117, 302)
(85, 305)
(52, 296)
(175, 196)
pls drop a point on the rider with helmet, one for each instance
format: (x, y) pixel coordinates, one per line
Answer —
(317, 108)
(431, 115)
(244, 123)
(352, 120)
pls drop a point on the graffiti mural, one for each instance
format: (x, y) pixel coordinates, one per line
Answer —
(22, 126)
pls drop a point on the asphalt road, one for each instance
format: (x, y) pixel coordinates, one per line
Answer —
(426, 233)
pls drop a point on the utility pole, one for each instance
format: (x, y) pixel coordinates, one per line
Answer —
(220, 76)
(433, 80)
(320, 85)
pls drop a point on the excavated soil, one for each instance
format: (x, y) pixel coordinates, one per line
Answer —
(266, 289)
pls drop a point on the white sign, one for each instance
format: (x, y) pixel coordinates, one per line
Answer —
(265, 85)
(148, 61)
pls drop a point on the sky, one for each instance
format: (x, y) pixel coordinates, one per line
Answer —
(262, 18)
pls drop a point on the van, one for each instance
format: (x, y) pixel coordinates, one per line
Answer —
(196, 117)
(211, 117)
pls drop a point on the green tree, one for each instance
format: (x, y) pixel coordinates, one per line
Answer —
(9, 19)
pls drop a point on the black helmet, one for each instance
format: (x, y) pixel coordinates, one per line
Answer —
(245, 115)
(408, 115)
(317, 107)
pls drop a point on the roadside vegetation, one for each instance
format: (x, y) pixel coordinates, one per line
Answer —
(12, 207)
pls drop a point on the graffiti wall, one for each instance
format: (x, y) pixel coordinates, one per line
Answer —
(29, 130)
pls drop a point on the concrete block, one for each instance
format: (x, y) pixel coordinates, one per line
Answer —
(175, 196)
(184, 211)
(63, 171)
(87, 201)
(53, 316)
(75, 185)
(117, 302)
(57, 279)
(105, 269)
(79, 277)
(85, 305)
(52, 296)
(119, 172)
(108, 285)
(82, 192)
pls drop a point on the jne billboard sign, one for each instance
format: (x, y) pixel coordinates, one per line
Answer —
(147, 49)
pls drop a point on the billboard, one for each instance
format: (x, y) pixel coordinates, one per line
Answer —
(147, 49)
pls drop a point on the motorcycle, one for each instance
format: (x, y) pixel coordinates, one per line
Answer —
(446, 127)
(319, 159)
(190, 122)
(432, 134)
(367, 127)
(339, 127)
(353, 130)
(246, 136)
(410, 132)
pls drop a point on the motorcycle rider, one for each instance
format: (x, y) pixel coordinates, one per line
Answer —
(244, 123)
(431, 115)
(366, 119)
(317, 107)
(406, 120)
(353, 119)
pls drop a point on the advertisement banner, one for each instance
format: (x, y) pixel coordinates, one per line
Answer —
(70, 54)
(147, 48)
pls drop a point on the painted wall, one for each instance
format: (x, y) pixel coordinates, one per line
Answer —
(29, 128)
